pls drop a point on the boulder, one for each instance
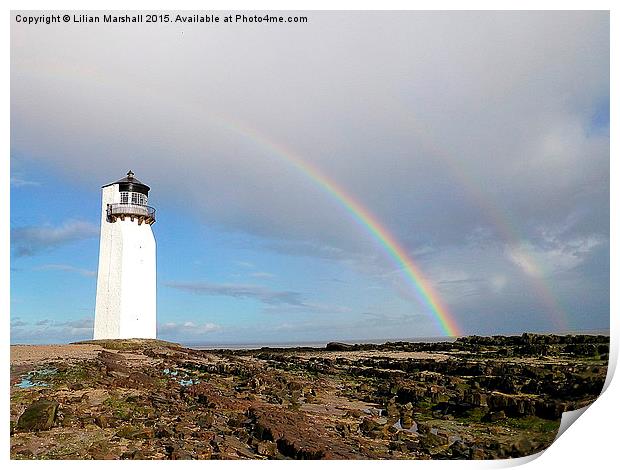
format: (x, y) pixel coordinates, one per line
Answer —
(39, 416)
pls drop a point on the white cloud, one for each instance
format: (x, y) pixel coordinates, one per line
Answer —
(18, 182)
(186, 329)
(66, 267)
(262, 275)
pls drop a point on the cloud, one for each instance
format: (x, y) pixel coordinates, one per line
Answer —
(276, 301)
(29, 241)
(441, 126)
(18, 182)
(67, 268)
(247, 291)
(52, 331)
(245, 264)
(307, 307)
(262, 275)
(187, 328)
(83, 323)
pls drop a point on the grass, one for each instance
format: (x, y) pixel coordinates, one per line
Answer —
(475, 415)
(124, 410)
(129, 344)
(534, 424)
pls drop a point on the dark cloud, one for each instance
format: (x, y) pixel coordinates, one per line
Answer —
(29, 241)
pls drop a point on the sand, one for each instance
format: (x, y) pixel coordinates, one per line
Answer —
(27, 354)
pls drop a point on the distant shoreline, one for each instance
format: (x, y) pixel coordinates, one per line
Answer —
(321, 344)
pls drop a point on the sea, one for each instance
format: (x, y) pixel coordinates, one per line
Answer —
(322, 344)
(312, 344)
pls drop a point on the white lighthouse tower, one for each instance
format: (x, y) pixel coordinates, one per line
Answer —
(126, 305)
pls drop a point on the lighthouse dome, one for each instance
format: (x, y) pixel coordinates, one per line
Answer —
(131, 184)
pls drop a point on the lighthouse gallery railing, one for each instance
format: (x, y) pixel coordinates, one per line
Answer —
(131, 210)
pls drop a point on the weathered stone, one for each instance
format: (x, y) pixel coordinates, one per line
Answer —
(430, 440)
(334, 346)
(39, 416)
(135, 432)
(266, 448)
(322, 400)
(497, 416)
(368, 425)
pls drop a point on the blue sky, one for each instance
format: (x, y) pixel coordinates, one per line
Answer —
(249, 249)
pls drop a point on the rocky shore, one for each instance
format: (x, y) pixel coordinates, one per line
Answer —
(473, 398)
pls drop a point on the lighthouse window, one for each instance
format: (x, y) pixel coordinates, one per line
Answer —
(137, 198)
(124, 197)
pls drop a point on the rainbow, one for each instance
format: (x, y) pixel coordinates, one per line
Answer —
(423, 288)
(506, 228)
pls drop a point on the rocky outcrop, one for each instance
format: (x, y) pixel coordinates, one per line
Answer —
(39, 416)
(475, 398)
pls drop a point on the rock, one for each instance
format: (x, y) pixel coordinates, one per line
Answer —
(523, 447)
(392, 408)
(423, 428)
(368, 425)
(304, 403)
(101, 451)
(477, 453)
(206, 420)
(39, 416)
(298, 436)
(494, 416)
(460, 450)
(163, 432)
(406, 421)
(266, 448)
(135, 432)
(180, 454)
(334, 346)
(102, 421)
(236, 420)
(134, 454)
(430, 440)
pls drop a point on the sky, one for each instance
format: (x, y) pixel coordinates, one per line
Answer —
(478, 142)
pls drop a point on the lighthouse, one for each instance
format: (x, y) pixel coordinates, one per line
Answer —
(126, 302)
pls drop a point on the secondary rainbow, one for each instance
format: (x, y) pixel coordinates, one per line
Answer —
(506, 228)
(425, 292)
